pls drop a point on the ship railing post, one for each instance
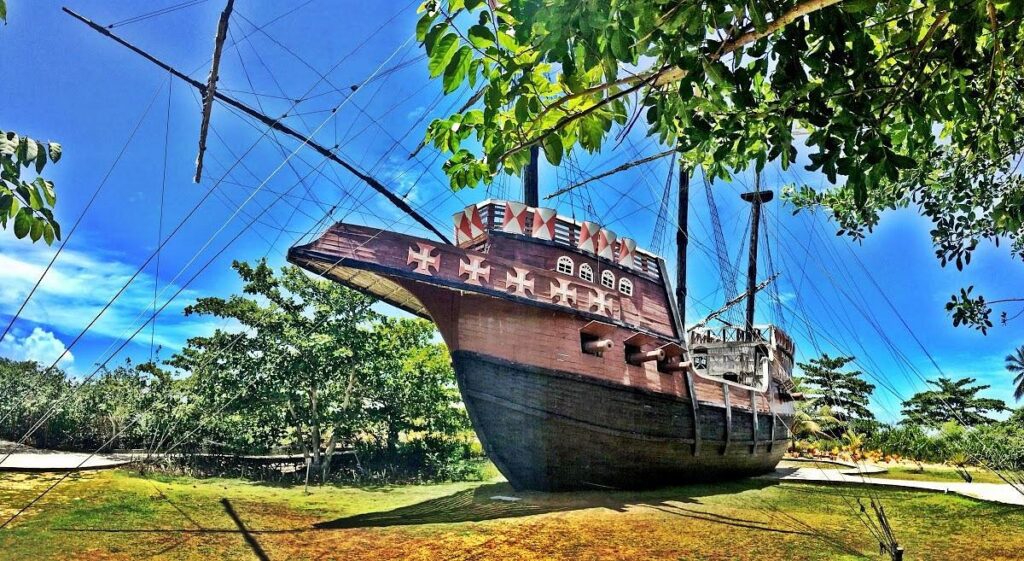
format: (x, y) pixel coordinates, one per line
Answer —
(696, 413)
(753, 410)
(728, 418)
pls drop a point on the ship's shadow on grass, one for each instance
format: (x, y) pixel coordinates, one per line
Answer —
(499, 501)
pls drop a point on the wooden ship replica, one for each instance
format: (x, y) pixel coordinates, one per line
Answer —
(570, 350)
(568, 342)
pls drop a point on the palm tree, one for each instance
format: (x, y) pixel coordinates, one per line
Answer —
(1015, 365)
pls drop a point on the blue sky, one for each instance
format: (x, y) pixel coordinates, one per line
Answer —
(65, 82)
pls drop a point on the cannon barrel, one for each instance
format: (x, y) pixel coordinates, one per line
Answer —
(646, 356)
(598, 346)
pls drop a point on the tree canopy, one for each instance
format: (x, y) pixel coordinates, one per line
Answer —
(1015, 365)
(316, 366)
(28, 204)
(956, 401)
(897, 103)
(845, 394)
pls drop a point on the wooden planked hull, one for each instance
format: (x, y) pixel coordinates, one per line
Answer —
(551, 415)
(551, 430)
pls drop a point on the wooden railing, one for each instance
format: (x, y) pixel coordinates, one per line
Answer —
(567, 232)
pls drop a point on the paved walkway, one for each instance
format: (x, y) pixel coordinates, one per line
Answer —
(991, 492)
(25, 458)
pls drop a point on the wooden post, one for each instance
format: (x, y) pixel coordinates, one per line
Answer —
(682, 240)
(754, 423)
(211, 85)
(756, 198)
(531, 179)
(728, 418)
(696, 412)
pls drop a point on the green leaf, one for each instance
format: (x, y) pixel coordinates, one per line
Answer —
(456, 70)
(552, 144)
(47, 233)
(718, 73)
(422, 27)
(442, 54)
(3, 11)
(757, 15)
(46, 188)
(481, 36)
(8, 143)
(22, 223)
(55, 152)
(36, 231)
(31, 151)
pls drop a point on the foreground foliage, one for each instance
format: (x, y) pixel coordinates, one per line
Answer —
(903, 102)
(310, 367)
(120, 516)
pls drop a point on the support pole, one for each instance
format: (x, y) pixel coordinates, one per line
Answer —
(682, 240)
(756, 198)
(531, 179)
(275, 124)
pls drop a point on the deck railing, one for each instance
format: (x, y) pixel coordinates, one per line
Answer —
(566, 232)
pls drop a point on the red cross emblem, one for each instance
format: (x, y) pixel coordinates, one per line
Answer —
(475, 269)
(601, 302)
(423, 258)
(518, 282)
(562, 291)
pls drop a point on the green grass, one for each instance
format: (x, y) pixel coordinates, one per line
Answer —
(119, 515)
(940, 473)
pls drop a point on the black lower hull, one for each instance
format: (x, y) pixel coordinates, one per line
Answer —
(549, 430)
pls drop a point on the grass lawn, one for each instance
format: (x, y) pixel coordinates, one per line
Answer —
(933, 472)
(118, 515)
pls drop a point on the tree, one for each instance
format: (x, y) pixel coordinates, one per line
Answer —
(28, 204)
(1015, 365)
(845, 393)
(293, 370)
(898, 103)
(952, 401)
(412, 386)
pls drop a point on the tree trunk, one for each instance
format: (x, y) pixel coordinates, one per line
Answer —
(328, 455)
(315, 429)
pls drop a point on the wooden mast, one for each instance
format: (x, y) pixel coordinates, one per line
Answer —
(531, 180)
(275, 124)
(682, 240)
(756, 198)
(211, 85)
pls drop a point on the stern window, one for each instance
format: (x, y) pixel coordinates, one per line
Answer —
(626, 286)
(586, 272)
(608, 279)
(564, 265)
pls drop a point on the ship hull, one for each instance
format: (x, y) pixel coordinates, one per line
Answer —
(550, 414)
(552, 430)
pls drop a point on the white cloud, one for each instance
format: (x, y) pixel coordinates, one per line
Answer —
(80, 284)
(40, 346)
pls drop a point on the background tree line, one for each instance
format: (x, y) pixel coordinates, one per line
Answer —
(948, 422)
(308, 366)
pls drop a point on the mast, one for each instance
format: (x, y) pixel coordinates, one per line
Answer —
(682, 239)
(276, 124)
(756, 198)
(531, 192)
